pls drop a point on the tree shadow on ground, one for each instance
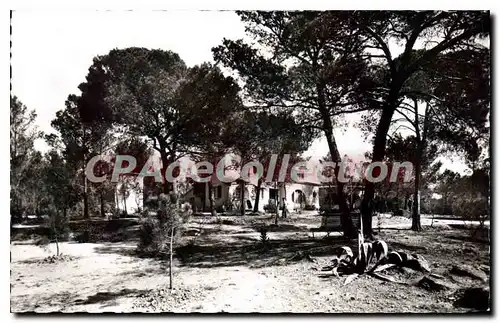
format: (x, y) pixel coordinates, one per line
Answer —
(102, 297)
(283, 227)
(244, 251)
(43, 261)
(468, 238)
(128, 250)
(412, 248)
(25, 304)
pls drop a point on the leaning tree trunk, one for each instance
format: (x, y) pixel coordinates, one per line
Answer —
(257, 197)
(242, 197)
(378, 156)
(346, 221)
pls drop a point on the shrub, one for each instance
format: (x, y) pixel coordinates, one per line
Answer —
(159, 232)
(270, 208)
(264, 238)
(473, 208)
(57, 224)
(309, 207)
(263, 235)
(150, 236)
(470, 207)
(397, 212)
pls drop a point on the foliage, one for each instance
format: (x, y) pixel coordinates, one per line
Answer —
(466, 196)
(150, 236)
(450, 31)
(472, 207)
(151, 93)
(155, 230)
(59, 186)
(79, 141)
(344, 261)
(373, 258)
(25, 190)
(309, 65)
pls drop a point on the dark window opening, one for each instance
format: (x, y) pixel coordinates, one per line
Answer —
(273, 194)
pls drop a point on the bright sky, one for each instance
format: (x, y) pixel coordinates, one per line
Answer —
(51, 53)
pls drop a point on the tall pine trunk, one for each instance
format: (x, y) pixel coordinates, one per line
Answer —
(257, 197)
(57, 246)
(276, 203)
(117, 201)
(378, 156)
(285, 209)
(85, 199)
(85, 183)
(86, 216)
(101, 199)
(125, 204)
(165, 161)
(415, 223)
(242, 197)
(211, 198)
(346, 221)
(171, 258)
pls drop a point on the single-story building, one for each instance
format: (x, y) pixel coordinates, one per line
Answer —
(226, 196)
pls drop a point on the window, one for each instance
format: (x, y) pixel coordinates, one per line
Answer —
(261, 193)
(273, 194)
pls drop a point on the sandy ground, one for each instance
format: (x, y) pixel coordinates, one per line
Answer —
(228, 271)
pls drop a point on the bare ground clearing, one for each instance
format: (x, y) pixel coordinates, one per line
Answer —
(228, 270)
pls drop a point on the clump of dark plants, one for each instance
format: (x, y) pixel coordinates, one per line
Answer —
(264, 238)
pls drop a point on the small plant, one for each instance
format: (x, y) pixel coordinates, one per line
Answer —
(263, 235)
(57, 223)
(159, 233)
(218, 220)
(263, 238)
(270, 208)
(372, 258)
(344, 262)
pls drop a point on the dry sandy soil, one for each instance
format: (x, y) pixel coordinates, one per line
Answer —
(227, 269)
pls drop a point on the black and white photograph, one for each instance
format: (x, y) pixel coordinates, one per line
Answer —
(250, 161)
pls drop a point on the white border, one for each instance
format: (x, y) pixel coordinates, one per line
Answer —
(196, 5)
